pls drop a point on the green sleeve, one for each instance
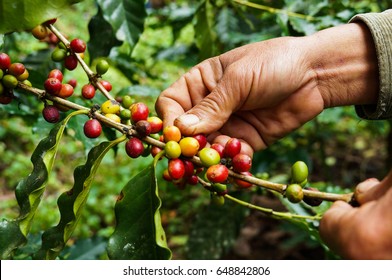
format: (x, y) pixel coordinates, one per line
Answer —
(380, 26)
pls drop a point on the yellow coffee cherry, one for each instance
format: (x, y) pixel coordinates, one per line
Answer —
(189, 146)
(110, 107)
(113, 117)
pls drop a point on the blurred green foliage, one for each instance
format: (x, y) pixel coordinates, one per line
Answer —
(339, 148)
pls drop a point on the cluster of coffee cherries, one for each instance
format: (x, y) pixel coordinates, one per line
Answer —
(10, 75)
(42, 33)
(299, 179)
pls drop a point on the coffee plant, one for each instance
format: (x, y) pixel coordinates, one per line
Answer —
(106, 120)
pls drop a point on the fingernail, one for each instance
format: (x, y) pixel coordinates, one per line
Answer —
(188, 119)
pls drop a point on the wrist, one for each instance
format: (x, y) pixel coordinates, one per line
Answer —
(344, 64)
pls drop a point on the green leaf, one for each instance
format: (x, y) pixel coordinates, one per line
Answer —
(139, 233)
(86, 249)
(26, 14)
(204, 30)
(29, 191)
(99, 28)
(214, 230)
(126, 17)
(72, 202)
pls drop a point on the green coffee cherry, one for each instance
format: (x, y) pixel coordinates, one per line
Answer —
(294, 193)
(172, 149)
(102, 66)
(217, 199)
(299, 172)
(10, 81)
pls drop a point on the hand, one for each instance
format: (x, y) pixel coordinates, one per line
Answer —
(262, 91)
(364, 232)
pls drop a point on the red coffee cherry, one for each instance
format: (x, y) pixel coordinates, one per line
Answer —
(189, 168)
(193, 180)
(78, 46)
(57, 74)
(16, 69)
(92, 128)
(52, 86)
(156, 124)
(139, 111)
(73, 83)
(202, 139)
(65, 91)
(166, 175)
(51, 114)
(5, 61)
(134, 147)
(176, 168)
(241, 183)
(88, 91)
(241, 162)
(70, 62)
(5, 99)
(106, 85)
(232, 147)
(217, 173)
(219, 148)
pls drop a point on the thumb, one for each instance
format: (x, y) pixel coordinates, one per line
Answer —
(372, 189)
(210, 114)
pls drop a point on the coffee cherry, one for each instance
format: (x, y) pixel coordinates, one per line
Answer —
(58, 55)
(77, 45)
(106, 85)
(312, 201)
(202, 139)
(219, 148)
(1, 74)
(73, 83)
(299, 172)
(5, 99)
(9, 81)
(172, 149)
(217, 200)
(65, 91)
(127, 101)
(51, 21)
(102, 66)
(134, 147)
(171, 133)
(219, 189)
(51, 114)
(16, 69)
(92, 128)
(155, 151)
(5, 61)
(192, 180)
(241, 183)
(88, 91)
(110, 107)
(40, 32)
(189, 168)
(294, 193)
(166, 175)
(125, 114)
(24, 76)
(241, 162)
(57, 74)
(209, 157)
(176, 168)
(232, 147)
(139, 111)
(217, 173)
(113, 117)
(70, 62)
(143, 128)
(156, 124)
(52, 86)
(189, 146)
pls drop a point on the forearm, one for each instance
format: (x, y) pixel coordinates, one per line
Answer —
(343, 60)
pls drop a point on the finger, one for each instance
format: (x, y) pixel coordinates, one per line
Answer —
(372, 189)
(332, 224)
(215, 109)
